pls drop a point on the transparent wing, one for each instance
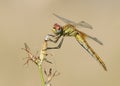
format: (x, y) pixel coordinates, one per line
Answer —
(95, 39)
(84, 24)
(80, 24)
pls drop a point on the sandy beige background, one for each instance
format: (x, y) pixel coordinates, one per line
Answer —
(30, 20)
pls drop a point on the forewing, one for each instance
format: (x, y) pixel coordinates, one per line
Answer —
(64, 19)
(80, 24)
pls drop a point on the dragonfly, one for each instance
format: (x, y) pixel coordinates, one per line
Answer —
(70, 30)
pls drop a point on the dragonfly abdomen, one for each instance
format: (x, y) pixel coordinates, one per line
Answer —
(86, 46)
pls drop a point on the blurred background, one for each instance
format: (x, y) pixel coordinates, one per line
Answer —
(30, 20)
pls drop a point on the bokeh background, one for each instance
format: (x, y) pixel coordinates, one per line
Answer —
(30, 20)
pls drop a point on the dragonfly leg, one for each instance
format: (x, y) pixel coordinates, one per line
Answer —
(51, 35)
(59, 45)
(56, 38)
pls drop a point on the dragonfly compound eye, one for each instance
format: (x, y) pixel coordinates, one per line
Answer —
(57, 26)
(57, 29)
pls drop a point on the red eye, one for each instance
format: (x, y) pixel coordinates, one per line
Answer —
(57, 26)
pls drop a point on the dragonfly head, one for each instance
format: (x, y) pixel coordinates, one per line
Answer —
(57, 29)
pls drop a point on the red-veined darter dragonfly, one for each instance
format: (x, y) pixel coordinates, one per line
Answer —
(70, 30)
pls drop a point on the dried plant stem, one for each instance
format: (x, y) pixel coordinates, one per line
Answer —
(41, 75)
